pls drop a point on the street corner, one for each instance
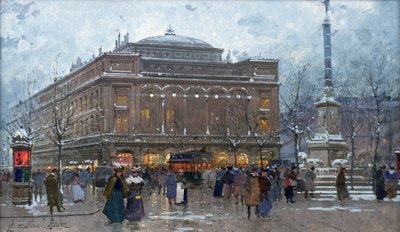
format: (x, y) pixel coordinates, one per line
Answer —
(40, 209)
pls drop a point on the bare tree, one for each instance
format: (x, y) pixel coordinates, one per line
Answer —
(232, 134)
(354, 119)
(296, 91)
(23, 114)
(378, 77)
(59, 119)
(261, 131)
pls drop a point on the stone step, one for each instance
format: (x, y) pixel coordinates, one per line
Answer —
(360, 187)
(333, 183)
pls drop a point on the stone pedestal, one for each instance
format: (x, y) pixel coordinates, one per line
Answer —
(327, 148)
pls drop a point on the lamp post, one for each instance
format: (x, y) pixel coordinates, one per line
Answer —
(377, 133)
(235, 142)
(295, 130)
(353, 137)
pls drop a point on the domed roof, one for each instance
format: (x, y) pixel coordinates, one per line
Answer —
(170, 38)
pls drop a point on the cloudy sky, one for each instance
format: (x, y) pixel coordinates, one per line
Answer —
(44, 36)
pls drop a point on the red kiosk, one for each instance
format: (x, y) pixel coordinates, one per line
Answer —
(21, 184)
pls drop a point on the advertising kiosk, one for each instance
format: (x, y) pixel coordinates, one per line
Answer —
(21, 183)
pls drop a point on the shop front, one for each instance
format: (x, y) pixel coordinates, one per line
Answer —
(123, 159)
(184, 161)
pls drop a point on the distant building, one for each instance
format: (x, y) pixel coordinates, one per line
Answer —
(162, 95)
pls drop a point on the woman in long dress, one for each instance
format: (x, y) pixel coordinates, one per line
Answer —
(341, 188)
(391, 178)
(77, 191)
(265, 205)
(181, 190)
(134, 204)
(238, 186)
(218, 183)
(171, 184)
(115, 192)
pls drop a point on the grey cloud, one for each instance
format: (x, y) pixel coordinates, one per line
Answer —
(190, 7)
(21, 10)
(258, 25)
(250, 20)
(35, 13)
(9, 42)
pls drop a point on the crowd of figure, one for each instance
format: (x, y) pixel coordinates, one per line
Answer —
(254, 188)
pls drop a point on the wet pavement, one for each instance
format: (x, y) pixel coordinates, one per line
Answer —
(206, 213)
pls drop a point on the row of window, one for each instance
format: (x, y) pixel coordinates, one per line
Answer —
(265, 103)
(179, 54)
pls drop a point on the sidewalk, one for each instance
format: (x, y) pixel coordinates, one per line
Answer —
(40, 209)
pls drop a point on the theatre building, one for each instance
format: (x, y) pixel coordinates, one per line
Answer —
(147, 101)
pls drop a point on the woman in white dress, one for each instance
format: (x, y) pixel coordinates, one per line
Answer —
(77, 191)
(181, 190)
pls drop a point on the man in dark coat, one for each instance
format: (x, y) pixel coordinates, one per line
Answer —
(38, 181)
(380, 191)
(342, 192)
(52, 191)
(309, 182)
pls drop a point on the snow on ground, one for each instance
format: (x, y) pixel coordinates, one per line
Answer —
(336, 208)
(179, 215)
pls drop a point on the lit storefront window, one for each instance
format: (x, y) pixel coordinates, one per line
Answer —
(242, 160)
(123, 159)
(221, 159)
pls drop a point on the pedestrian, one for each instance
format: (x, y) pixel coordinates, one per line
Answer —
(252, 193)
(115, 192)
(171, 184)
(280, 177)
(181, 189)
(391, 178)
(218, 183)
(265, 204)
(207, 178)
(38, 178)
(238, 185)
(52, 191)
(227, 180)
(274, 179)
(134, 204)
(310, 177)
(380, 190)
(147, 181)
(341, 188)
(290, 185)
(161, 181)
(77, 191)
(84, 178)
